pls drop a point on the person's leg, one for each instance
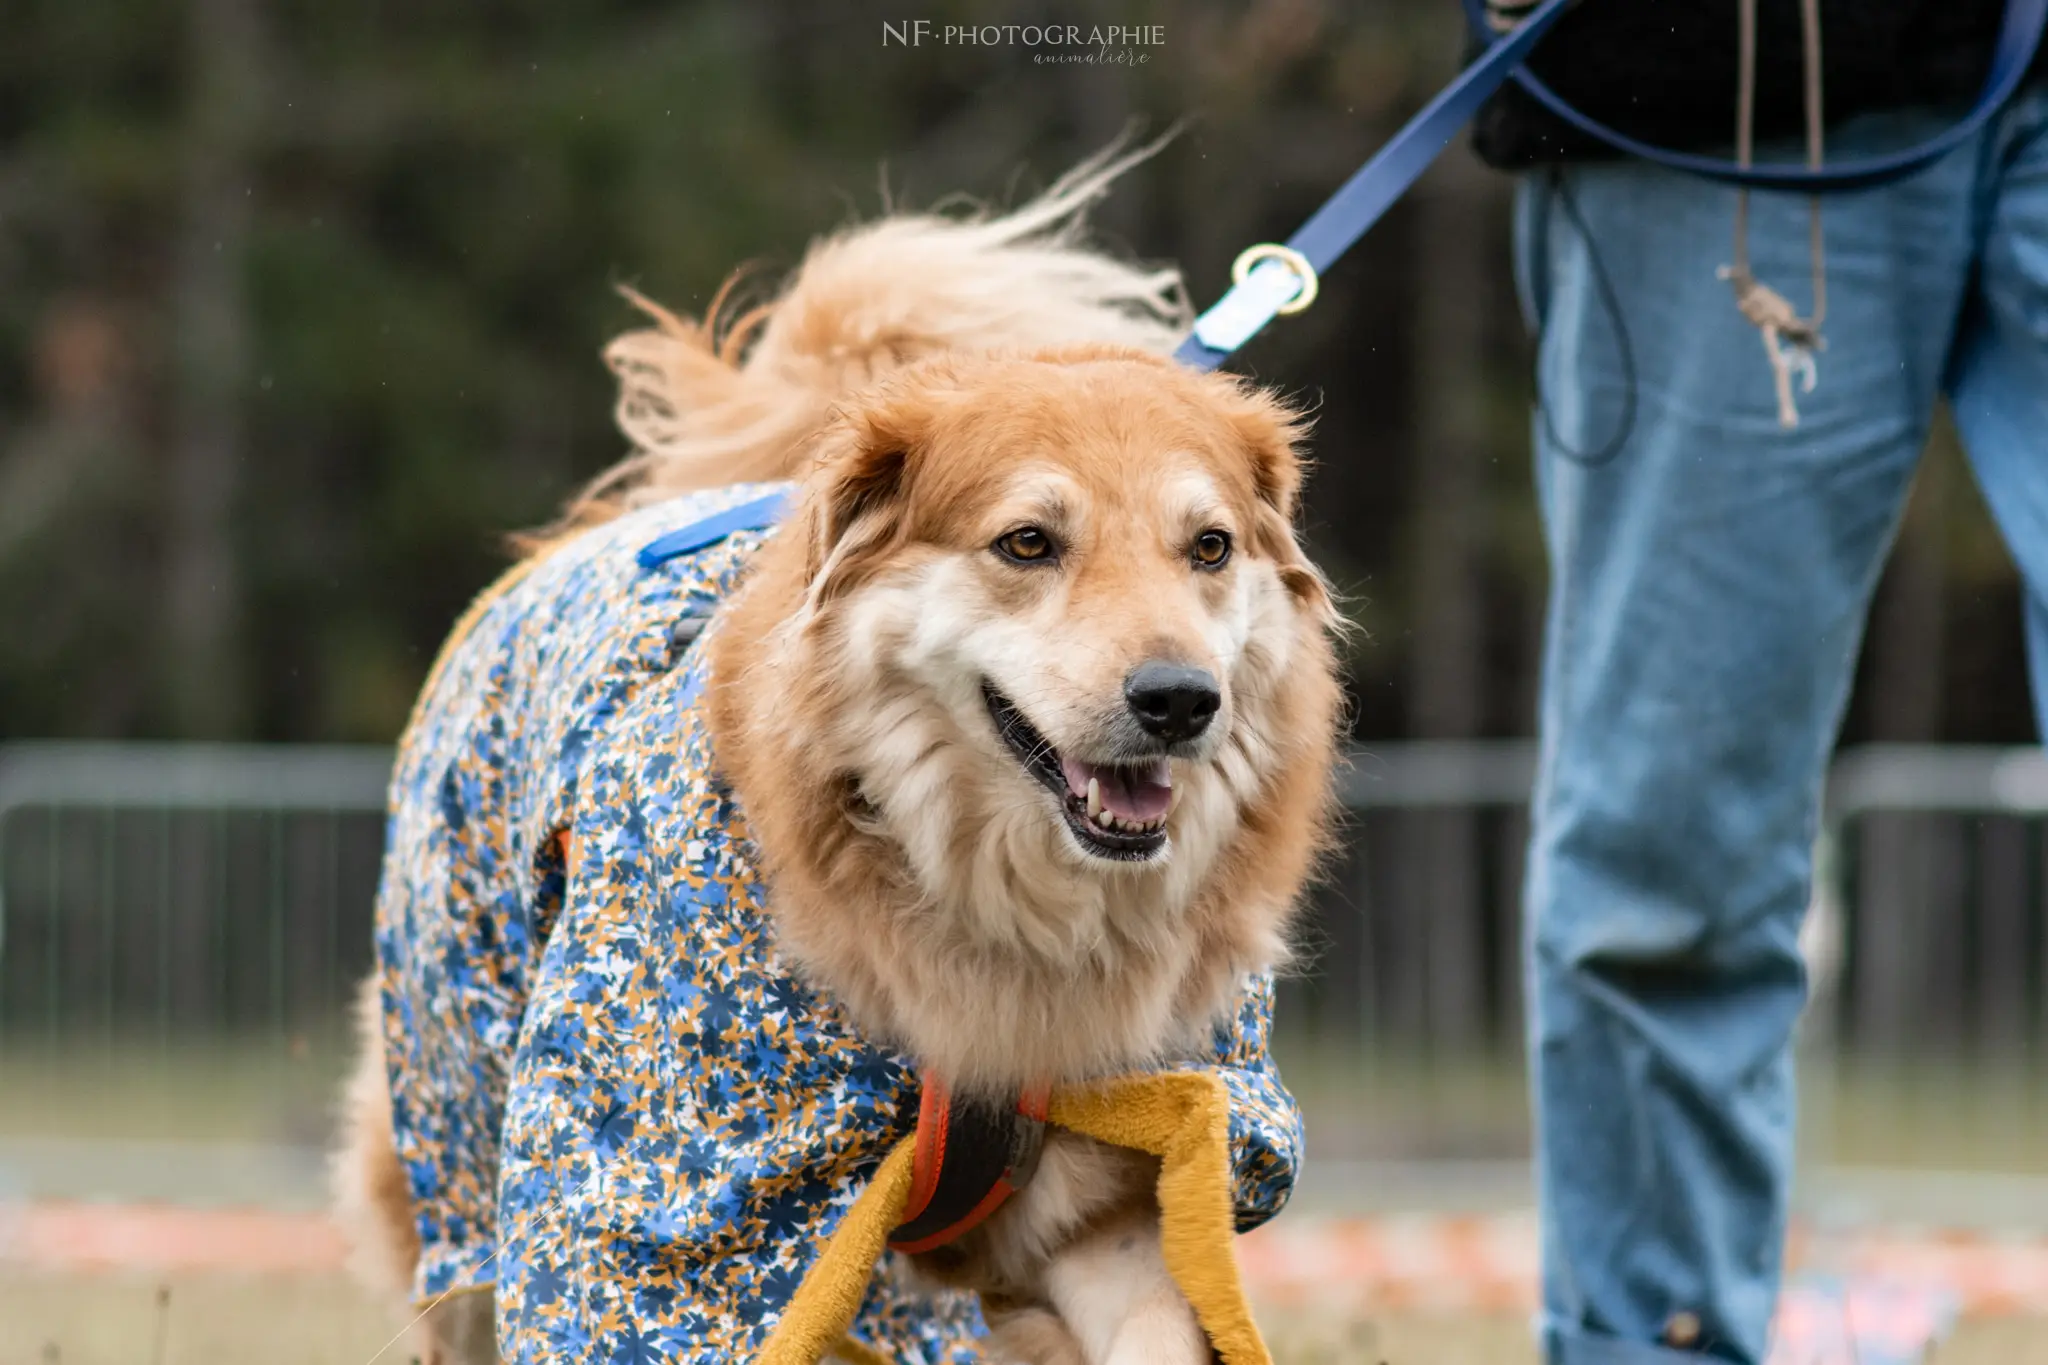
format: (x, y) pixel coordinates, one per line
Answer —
(1709, 584)
(1999, 383)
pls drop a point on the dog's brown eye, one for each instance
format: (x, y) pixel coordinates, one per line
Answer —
(1026, 545)
(1212, 548)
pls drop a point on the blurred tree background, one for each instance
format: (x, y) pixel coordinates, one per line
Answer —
(301, 305)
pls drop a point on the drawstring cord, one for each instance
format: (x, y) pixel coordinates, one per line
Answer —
(1790, 341)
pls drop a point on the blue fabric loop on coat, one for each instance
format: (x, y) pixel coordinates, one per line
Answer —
(758, 515)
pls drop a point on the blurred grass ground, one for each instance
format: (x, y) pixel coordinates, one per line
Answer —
(164, 1120)
(47, 1320)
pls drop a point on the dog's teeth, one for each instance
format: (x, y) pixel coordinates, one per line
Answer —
(1094, 798)
(1106, 820)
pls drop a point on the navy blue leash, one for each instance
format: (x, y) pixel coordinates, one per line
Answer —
(1271, 280)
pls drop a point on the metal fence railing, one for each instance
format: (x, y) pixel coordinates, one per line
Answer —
(202, 911)
(1413, 936)
(198, 887)
(166, 891)
(1937, 863)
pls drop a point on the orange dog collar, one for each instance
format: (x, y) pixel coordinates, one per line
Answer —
(971, 1155)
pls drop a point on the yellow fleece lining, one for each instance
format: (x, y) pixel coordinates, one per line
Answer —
(1183, 1118)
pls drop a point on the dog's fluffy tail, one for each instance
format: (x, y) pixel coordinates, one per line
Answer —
(730, 400)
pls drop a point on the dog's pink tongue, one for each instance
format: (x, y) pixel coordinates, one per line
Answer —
(1141, 793)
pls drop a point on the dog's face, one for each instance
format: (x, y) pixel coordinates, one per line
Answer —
(1071, 593)
(1032, 709)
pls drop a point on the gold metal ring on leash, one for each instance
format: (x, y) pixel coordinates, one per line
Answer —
(1253, 256)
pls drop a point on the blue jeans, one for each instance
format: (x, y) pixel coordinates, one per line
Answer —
(1709, 586)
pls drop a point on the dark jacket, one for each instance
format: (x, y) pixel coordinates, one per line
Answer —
(1664, 71)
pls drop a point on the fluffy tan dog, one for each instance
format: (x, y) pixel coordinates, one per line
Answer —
(1030, 705)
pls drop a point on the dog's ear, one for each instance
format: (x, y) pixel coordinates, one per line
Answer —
(1270, 433)
(855, 511)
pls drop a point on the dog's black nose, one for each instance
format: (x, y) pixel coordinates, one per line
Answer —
(1172, 701)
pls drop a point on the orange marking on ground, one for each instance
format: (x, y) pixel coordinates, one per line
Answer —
(1461, 1264)
(85, 1237)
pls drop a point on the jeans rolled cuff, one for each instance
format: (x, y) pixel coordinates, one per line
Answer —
(1571, 1345)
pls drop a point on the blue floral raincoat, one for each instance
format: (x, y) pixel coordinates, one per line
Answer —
(612, 1098)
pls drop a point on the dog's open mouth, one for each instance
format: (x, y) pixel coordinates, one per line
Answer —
(1117, 810)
